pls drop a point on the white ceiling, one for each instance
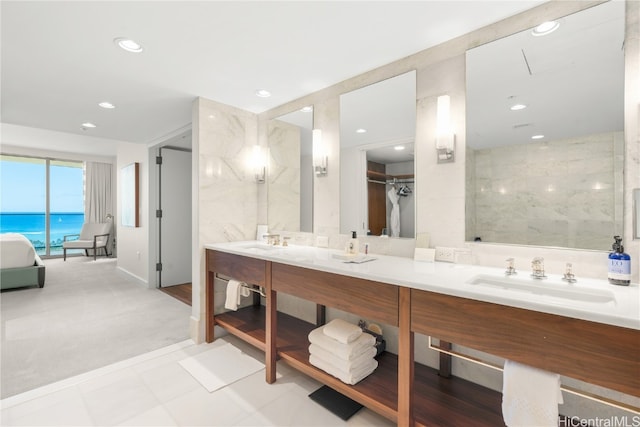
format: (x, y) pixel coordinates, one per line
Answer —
(59, 60)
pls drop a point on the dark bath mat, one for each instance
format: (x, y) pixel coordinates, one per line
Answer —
(336, 403)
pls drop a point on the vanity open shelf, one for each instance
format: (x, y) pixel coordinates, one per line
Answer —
(437, 400)
(401, 389)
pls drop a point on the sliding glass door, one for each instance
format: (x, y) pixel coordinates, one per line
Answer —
(43, 199)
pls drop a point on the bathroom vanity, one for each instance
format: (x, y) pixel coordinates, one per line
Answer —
(589, 330)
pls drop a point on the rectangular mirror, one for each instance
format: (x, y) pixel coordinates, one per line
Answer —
(290, 172)
(377, 134)
(545, 142)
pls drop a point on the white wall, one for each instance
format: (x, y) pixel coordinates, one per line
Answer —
(133, 242)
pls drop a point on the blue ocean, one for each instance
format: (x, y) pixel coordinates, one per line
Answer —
(32, 226)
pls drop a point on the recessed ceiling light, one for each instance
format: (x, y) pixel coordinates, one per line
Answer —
(128, 44)
(545, 28)
(361, 130)
(88, 125)
(307, 109)
(399, 147)
(107, 105)
(537, 137)
(262, 93)
(518, 107)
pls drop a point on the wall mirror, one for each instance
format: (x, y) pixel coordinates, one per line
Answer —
(377, 133)
(545, 143)
(290, 172)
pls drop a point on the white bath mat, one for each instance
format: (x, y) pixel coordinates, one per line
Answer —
(221, 366)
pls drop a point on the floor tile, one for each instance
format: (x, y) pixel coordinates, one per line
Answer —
(70, 411)
(169, 381)
(119, 401)
(157, 416)
(201, 408)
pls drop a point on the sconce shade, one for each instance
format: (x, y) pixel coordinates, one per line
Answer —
(258, 164)
(445, 138)
(320, 157)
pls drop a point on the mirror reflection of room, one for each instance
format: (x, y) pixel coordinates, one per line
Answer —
(377, 168)
(290, 178)
(545, 140)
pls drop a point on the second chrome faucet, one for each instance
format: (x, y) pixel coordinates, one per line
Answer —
(537, 268)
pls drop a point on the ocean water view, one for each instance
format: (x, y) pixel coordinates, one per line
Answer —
(32, 226)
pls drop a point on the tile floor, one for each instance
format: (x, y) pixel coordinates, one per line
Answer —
(154, 390)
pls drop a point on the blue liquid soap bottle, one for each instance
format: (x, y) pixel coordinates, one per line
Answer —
(619, 264)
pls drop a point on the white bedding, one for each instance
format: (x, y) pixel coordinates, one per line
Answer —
(16, 251)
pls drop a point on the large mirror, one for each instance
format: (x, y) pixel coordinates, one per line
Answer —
(290, 172)
(377, 133)
(545, 143)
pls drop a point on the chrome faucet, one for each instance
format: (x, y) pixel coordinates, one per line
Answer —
(568, 274)
(272, 239)
(511, 270)
(537, 268)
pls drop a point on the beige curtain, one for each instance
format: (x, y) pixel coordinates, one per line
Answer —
(98, 193)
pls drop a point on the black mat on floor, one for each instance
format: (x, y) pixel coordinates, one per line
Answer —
(336, 403)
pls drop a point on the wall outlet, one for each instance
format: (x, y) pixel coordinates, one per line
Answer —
(322, 241)
(445, 254)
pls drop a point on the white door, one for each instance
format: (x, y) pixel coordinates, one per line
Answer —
(175, 224)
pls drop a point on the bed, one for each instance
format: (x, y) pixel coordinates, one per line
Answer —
(20, 265)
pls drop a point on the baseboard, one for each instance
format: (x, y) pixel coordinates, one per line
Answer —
(138, 278)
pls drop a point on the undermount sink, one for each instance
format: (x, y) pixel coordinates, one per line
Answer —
(260, 247)
(549, 288)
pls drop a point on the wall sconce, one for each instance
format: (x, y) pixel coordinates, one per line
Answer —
(445, 138)
(259, 164)
(320, 157)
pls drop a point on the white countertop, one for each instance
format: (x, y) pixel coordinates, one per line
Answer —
(587, 299)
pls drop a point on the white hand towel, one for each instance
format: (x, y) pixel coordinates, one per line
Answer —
(530, 396)
(234, 293)
(342, 331)
(343, 364)
(343, 351)
(352, 378)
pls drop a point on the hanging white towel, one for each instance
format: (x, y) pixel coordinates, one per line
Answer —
(235, 290)
(530, 396)
(342, 331)
(344, 351)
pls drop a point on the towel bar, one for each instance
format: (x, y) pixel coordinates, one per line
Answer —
(258, 290)
(591, 396)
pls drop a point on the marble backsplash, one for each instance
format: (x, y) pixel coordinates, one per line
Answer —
(565, 193)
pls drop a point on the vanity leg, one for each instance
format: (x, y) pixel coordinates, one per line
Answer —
(321, 315)
(208, 310)
(271, 326)
(405, 361)
(445, 360)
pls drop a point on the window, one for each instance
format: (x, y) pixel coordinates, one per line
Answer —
(43, 199)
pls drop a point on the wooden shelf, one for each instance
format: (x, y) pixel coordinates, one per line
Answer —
(436, 400)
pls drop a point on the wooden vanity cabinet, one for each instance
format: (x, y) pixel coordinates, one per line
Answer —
(592, 352)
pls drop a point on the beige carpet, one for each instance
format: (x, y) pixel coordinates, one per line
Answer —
(88, 315)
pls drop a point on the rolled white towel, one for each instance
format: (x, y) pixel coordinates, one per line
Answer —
(343, 364)
(343, 351)
(342, 331)
(530, 396)
(351, 377)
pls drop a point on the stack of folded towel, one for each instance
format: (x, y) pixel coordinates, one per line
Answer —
(343, 350)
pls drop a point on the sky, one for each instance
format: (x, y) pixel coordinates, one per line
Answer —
(23, 187)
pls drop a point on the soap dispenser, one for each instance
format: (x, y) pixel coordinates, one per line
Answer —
(353, 247)
(619, 264)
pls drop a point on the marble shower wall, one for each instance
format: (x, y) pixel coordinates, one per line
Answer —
(565, 193)
(283, 176)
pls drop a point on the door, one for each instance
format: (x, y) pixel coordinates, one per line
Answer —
(175, 217)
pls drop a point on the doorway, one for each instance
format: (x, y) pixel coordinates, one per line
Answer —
(173, 264)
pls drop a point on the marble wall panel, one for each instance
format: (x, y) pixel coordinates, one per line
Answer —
(543, 193)
(283, 176)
